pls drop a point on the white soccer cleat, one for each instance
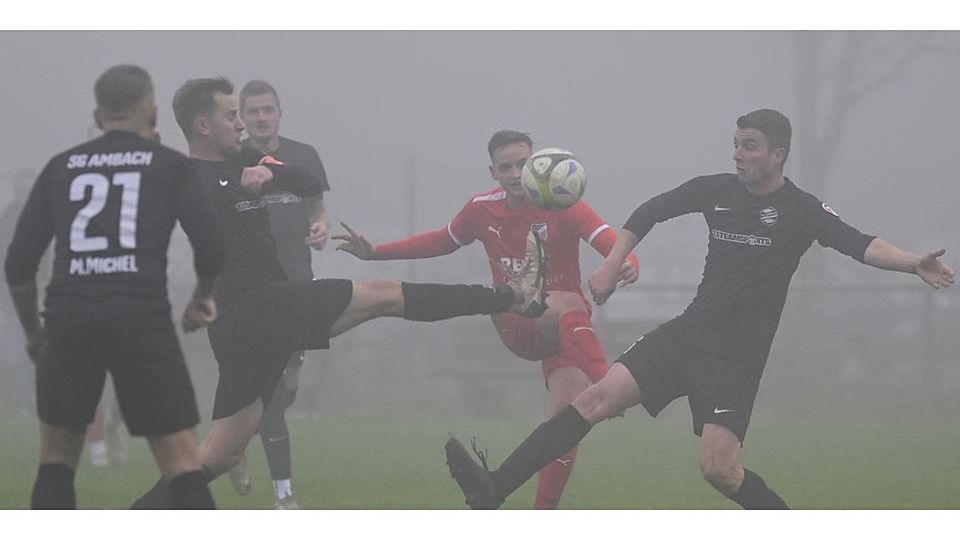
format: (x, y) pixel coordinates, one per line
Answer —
(529, 283)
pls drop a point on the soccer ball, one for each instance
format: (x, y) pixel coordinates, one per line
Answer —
(553, 179)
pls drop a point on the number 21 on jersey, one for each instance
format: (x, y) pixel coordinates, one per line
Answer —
(99, 186)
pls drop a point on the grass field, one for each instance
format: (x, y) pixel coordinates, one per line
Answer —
(371, 462)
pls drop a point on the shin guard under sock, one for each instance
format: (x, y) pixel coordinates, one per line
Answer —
(549, 441)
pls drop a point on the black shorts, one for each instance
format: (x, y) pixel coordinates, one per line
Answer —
(144, 359)
(254, 339)
(681, 358)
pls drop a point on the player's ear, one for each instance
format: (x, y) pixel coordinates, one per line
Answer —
(96, 119)
(152, 117)
(492, 174)
(201, 125)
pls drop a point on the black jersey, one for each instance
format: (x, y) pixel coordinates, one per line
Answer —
(289, 214)
(251, 259)
(755, 245)
(111, 204)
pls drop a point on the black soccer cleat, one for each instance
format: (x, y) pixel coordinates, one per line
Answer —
(474, 480)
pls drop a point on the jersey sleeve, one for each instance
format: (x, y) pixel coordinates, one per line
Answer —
(831, 231)
(315, 165)
(196, 216)
(691, 196)
(462, 228)
(587, 223)
(420, 246)
(32, 235)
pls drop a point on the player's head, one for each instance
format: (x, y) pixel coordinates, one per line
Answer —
(124, 96)
(508, 151)
(260, 110)
(761, 145)
(206, 111)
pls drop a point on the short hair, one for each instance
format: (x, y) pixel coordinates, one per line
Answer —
(121, 88)
(506, 137)
(258, 87)
(195, 98)
(771, 123)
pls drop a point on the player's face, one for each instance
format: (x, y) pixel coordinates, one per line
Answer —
(225, 125)
(507, 163)
(756, 162)
(261, 115)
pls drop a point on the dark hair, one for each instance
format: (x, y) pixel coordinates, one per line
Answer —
(506, 137)
(771, 123)
(122, 87)
(258, 87)
(196, 98)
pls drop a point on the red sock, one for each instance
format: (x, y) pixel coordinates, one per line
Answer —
(553, 478)
(578, 338)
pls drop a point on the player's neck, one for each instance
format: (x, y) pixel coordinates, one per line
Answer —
(516, 203)
(767, 185)
(137, 128)
(266, 145)
(206, 153)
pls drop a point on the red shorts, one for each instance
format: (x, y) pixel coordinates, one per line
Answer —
(521, 336)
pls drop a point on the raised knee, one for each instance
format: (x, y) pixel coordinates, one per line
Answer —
(594, 404)
(722, 474)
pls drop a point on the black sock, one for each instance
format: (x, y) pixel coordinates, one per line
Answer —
(549, 441)
(157, 498)
(53, 488)
(276, 437)
(435, 302)
(755, 495)
(189, 491)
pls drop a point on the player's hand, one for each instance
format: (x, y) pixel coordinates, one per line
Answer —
(932, 271)
(354, 243)
(317, 239)
(33, 345)
(254, 178)
(628, 274)
(603, 282)
(200, 312)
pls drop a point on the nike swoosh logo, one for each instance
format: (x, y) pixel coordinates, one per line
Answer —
(721, 411)
(719, 208)
(223, 182)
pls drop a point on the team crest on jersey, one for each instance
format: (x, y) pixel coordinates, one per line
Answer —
(769, 216)
(540, 229)
(828, 209)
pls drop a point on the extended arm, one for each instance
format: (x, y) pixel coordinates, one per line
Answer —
(420, 246)
(629, 269)
(929, 268)
(317, 239)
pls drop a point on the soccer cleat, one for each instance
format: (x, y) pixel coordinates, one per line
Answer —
(98, 454)
(287, 503)
(240, 477)
(474, 480)
(529, 284)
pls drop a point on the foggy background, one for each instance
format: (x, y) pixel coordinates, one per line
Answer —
(401, 121)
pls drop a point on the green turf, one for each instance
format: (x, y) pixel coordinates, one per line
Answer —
(634, 462)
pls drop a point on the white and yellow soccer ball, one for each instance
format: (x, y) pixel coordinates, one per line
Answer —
(553, 178)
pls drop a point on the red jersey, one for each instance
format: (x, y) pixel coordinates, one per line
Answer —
(504, 235)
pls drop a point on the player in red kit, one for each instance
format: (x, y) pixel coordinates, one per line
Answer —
(563, 338)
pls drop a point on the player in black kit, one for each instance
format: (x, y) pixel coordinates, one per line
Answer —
(263, 317)
(760, 225)
(297, 225)
(111, 204)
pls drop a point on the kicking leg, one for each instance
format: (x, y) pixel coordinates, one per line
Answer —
(720, 466)
(616, 391)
